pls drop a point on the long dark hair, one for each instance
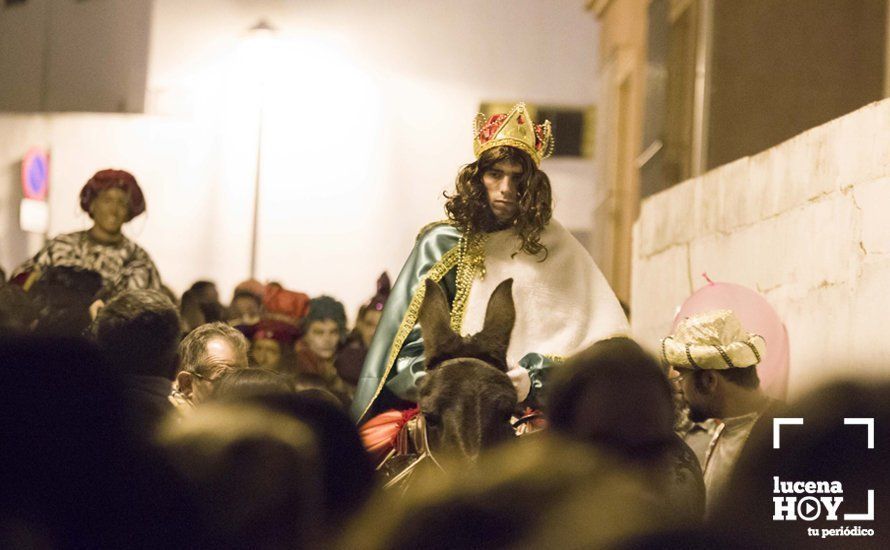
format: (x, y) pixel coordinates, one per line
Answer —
(471, 212)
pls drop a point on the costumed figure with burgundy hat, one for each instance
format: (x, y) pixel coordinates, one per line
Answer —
(111, 198)
(499, 226)
(273, 337)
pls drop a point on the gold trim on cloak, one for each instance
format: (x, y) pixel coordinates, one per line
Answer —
(436, 273)
(426, 228)
(469, 257)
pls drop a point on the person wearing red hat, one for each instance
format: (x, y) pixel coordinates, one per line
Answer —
(111, 198)
(272, 344)
(273, 337)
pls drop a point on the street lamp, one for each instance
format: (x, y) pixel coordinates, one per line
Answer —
(261, 34)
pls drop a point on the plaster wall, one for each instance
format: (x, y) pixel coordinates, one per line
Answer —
(805, 224)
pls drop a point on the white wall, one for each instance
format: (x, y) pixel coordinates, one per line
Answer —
(368, 116)
(805, 224)
(172, 160)
(18, 133)
(368, 111)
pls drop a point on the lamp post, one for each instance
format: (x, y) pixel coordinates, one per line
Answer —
(263, 31)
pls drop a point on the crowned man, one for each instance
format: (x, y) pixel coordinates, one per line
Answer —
(500, 225)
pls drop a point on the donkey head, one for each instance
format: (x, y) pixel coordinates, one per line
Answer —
(467, 397)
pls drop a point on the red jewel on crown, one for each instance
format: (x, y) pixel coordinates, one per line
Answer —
(539, 137)
(491, 127)
(520, 119)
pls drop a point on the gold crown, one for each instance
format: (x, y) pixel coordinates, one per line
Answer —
(514, 129)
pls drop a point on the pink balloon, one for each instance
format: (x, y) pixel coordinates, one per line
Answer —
(758, 317)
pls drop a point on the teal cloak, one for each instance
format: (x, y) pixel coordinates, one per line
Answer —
(394, 364)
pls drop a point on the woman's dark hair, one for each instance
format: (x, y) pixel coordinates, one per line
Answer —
(202, 286)
(471, 212)
(242, 383)
(212, 311)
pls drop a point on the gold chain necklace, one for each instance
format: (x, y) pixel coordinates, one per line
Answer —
(470, 263)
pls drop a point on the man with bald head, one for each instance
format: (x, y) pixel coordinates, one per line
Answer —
(206, 354)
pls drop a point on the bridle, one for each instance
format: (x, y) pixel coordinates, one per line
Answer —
(415, 432)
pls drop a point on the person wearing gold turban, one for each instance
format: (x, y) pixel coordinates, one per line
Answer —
(713, 361)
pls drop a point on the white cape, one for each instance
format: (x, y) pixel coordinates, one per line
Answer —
(563, 304)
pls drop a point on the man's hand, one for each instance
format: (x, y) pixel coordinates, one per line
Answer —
(521, 381)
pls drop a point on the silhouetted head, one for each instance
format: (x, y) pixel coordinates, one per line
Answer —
(256, 473)
(75, 473)
(138, 333)
(614, 394)
(347, 474)
(17, 312)
(63, 295)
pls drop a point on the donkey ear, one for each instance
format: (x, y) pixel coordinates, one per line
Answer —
(435, 319)
(501, 313)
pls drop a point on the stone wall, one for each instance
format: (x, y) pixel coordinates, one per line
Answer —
(805, 223)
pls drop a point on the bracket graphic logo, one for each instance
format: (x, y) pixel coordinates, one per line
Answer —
(811, 500)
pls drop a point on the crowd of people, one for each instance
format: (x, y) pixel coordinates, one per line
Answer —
(516, 415)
